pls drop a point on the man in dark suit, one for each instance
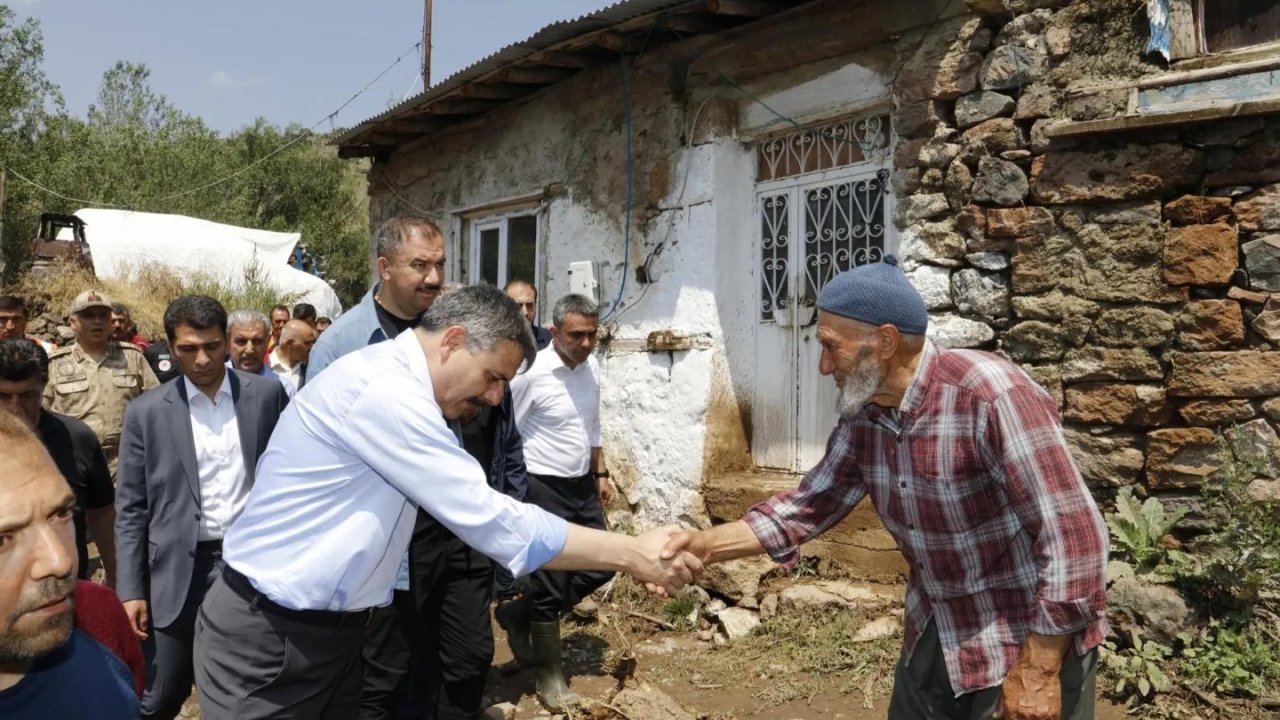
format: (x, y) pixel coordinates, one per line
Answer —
(188, 453)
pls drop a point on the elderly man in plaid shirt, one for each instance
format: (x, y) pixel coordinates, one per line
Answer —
(964, 459)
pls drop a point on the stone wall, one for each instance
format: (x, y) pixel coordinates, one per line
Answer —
(1130, 274)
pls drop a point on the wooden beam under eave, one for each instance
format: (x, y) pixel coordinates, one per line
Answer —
(408, 127)
(558, 58)
(742, 8)
(459, 107)
(352, 152)
(687, 25)
(491, 91)
(534, 75)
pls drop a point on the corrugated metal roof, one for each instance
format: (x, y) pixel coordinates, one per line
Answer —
(547, 37)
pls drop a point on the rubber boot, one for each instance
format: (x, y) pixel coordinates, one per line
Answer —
(553, 689)
(513, 618)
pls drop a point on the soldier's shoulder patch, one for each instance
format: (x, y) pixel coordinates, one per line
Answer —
(65, 369)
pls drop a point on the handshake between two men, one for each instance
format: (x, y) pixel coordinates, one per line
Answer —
(667, 559)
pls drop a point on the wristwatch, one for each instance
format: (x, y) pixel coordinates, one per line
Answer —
(599, 475)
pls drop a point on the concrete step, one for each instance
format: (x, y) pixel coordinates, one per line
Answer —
(859, 543)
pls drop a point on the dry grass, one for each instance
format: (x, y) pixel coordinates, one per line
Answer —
(146, 290)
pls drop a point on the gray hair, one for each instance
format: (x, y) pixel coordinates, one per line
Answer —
(573, 304)
(391, 234)
(488, 316)
(248, 317)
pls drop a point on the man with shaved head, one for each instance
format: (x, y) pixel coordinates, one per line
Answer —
(289, 360)
(65, 648)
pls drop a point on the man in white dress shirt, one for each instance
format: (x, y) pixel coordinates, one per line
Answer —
(289, 360)
(187, 457)
(320, 542)
(557, 410)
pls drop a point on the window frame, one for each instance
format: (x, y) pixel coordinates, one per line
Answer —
(476, 223)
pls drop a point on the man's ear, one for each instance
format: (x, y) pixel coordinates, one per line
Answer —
(889, 338)
(453, 339)
(384, 268)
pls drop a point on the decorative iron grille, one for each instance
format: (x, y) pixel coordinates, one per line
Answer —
(775, 245)
(844, 227)
(836, 145)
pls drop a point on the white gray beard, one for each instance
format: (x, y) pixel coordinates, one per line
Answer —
(858, 388)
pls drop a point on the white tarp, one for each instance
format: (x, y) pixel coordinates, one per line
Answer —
(121, 240)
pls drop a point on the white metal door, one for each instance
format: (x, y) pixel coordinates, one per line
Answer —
(811, 230)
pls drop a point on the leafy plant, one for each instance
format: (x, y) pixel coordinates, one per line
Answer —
(1139, 531)
(1232, 659)
(1138, 670)
(679, 609)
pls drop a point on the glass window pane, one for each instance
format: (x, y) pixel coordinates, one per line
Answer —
(522, 248)
(488, 256)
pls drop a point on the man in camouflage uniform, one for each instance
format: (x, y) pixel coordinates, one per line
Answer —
(94, 378)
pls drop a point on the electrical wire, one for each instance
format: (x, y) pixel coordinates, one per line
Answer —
(626, 223)
(54, 193)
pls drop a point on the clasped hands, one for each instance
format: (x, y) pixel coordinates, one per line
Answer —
(667, 559)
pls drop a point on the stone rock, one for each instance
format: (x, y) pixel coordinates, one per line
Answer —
(1023, 29)
(1112, 460)
(828, 594)
(1035, 340)
(931, 243)
(1110, 365)
(1009, 67)
(1197, 210)
(1200, 254)
(1262, 260)
(1215, 413)
(1248, 297)
(1054, 306)
(991, 138)
(924, 153)
(1116, 404)
(982, 105)
(906, 181)
(648, 703)
(1048, 377)
(1263, 490)
(1271, 408)
(1235, 132)
(919, 119)
(1129, 213)
(1181, 457)
(769, 606)
(936, 63)
(1257, 446)
(1097, 105)
(734, 623)
(1117, 263)
(999, 182)
(1019, 222)
(1259, 166)
(958, 186)
(1057, 41)
(877, 629)
(1037, 101)
(1267, 322)
(1016, 156)
(736, 579)
(988, 261)
(934, 285)
(501, 711)
(972, 222)
(984, 294)
(918, 208)
(1133, 327)
(1158, 609)
(1244, 373)
(1259, 210)
(1137, 171)
(953, 331)
(988, 8)
(1210, 325)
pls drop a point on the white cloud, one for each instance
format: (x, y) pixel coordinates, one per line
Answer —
(223, 80)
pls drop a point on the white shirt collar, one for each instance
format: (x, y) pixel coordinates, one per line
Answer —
(223, 389)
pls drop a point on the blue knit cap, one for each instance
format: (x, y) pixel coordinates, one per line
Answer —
(876, 294)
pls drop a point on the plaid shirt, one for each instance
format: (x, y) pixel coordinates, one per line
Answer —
(972, 477)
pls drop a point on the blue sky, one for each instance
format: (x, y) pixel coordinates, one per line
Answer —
(231, 61)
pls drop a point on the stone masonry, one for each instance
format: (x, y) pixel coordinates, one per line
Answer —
(1136, 276)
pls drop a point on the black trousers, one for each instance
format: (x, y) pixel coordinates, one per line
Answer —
(922, 688)
(256, 660)
(552, 592)
(429, 656)
(167, 651)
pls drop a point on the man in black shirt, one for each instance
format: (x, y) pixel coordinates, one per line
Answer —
(161, 361)
(24, 370)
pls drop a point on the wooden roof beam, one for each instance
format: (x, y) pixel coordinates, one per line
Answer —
(559, 58)
(688, 25)
(351, 152)
(491, 91)
(742, 8)
(534, 75)
(459, 107)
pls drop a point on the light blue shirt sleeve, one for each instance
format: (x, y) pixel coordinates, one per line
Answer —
(400, 433)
